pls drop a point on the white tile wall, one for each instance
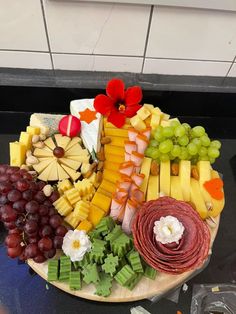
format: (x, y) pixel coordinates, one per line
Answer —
(115, 37)
(186, 67)
(192, 34)
(23, 59)
(22, 26)
(110, 29)
(232, 71)
(97, 63)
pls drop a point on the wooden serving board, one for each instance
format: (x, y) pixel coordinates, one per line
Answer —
(146, 288)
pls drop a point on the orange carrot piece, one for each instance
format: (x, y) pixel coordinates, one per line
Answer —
(214, 188)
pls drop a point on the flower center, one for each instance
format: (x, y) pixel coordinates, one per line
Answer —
(121, 108)
(76, 244)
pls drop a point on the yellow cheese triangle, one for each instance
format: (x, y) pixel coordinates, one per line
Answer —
(72, 173)
(62, 141)
(62, 174)
(74, 164)
(53, 175)
(42, 165)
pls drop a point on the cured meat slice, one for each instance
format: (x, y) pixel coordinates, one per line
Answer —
(174, 258)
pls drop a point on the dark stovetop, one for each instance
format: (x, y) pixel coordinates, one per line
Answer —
(21, 292)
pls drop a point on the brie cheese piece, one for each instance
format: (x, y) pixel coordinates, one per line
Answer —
(90, 132)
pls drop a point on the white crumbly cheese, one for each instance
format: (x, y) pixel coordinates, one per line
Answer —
(46, 121)
(90, 133)
(168, 229)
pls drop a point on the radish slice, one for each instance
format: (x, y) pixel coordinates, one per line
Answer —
(137, 158)
(130, 210)
(127, 168)
(142, 143)
(117, 207)
(132, 134)
(130, 146)
(138, 178)
(137, 195)
(127, 157)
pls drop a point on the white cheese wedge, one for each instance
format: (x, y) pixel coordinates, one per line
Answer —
(46, 121)
(90, 132)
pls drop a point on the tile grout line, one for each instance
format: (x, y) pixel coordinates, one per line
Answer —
(226, 75)
(47, 35)
(147, 37)
(122, 56)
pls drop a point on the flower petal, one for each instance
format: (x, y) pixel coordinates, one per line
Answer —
(116, 89)
(133, 95)
(103, 104)
(116, 118)
(130, 111)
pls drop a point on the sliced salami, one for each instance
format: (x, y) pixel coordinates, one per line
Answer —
(174, 258)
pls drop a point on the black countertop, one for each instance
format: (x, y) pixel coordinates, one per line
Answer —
(24, 292)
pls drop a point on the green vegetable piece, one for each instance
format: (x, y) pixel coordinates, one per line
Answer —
(135, 261)
(85, 261)
(105, 225)
(134, 282)
(121, 245)
(103, 287)
(75, 280)
(53, 266)
(65, 268)
(97, 253)
(90, 273)
(75, 265)
(125, 275)
(114, 234)
(111, 264)
(150, 272)
(94, 234)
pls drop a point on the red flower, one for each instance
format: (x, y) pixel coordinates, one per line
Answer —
(119, 103)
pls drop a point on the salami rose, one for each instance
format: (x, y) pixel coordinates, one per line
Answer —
(177, 257)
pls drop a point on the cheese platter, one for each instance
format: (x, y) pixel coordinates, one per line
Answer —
(115, 202)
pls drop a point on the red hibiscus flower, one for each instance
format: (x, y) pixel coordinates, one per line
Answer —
(119, 103)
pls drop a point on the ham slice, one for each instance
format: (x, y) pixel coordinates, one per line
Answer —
(138, 178)
(142, 143)
(132, 134)
(127, 168)
(117, 207)
(130, 211)
(130, 146)
(147, 132)
(137, 158)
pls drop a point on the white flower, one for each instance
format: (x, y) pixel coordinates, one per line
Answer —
(75, 244)
(168, 229)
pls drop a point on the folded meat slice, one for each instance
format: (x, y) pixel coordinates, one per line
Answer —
(130, 211)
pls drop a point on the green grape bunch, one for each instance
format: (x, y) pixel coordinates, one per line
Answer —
(181, 142)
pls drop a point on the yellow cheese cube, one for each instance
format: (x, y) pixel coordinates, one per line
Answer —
(137, 123)
(102, 201)
(72, 220)
(17, 154)
(64, 186)
(92, 178)
(81, 210)
(157, 111)
(33, 130)
(95, 214)
(145, 169)
(111, 176)
(148, 106)
(155, 121)
(85, 225)
(116, 132)
(143, 113)
(116, 150)
(117, 140)
(63, 206)
(152, 188)
(73, 196)
(26, 139)
(165, 123)
(165, 116)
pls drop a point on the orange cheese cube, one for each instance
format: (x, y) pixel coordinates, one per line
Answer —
(102, 201)
(104, 192)
(111, 165)
(116, 150)
(85, 225)
(117, 141)
(95, 214)
(115, 132)
(115, 158)
(111, 176)
(108, 186)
